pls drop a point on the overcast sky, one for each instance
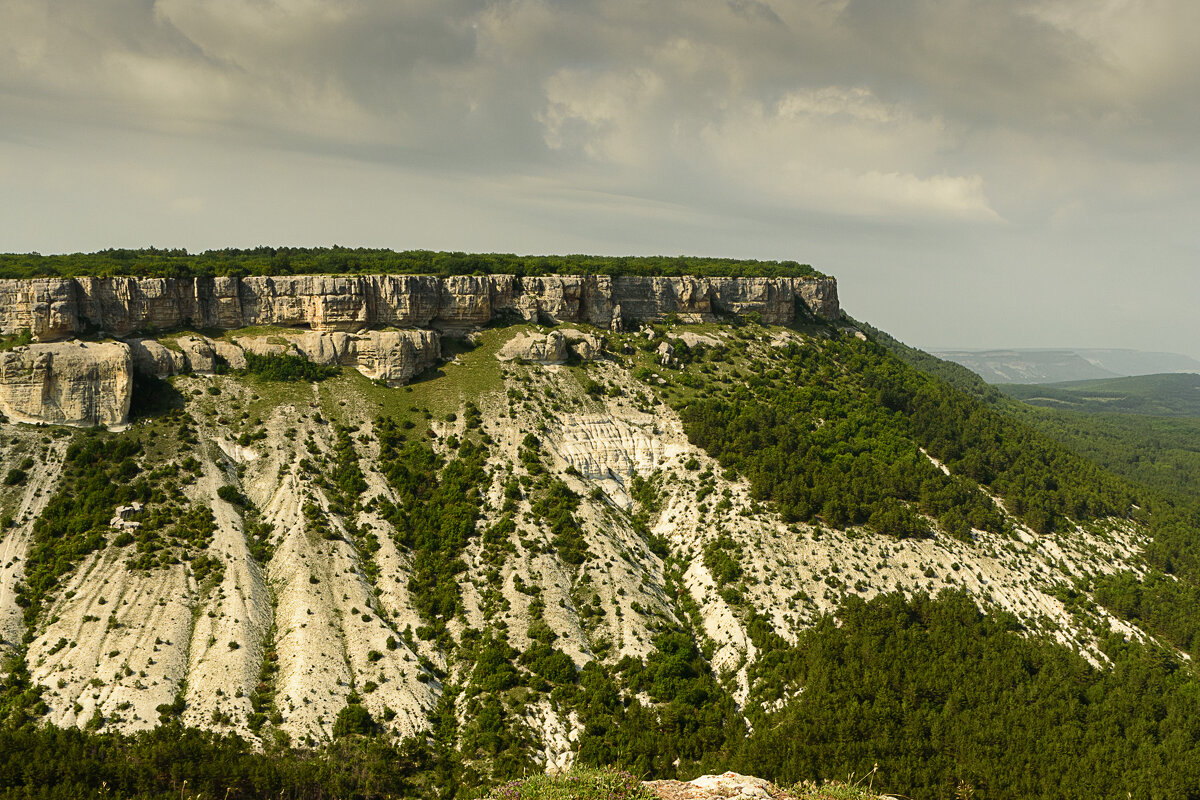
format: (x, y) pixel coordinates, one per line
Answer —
(976, 173)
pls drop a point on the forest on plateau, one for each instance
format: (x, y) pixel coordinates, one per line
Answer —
(167, 263)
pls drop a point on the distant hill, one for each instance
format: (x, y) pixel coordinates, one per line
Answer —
(1165, 395)
(1054, 366)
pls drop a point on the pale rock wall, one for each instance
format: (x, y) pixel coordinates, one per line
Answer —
(57, 308)
(396, 356)
(70, 383)
(90, 384)
(550, 348)
(392, 356)
(46, 307)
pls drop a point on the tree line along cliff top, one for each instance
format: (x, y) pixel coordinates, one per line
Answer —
(172, 263)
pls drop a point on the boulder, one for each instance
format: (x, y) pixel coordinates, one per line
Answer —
(585, 346)
(692, 339)
(198, 354)
(666, 354)
(396, 356)
(233, 355)
(550, 348)
(717, 787)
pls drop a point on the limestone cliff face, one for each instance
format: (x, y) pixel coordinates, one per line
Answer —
(71, 383)
(58, 308)
(391, 356)
(90, 384)
(394, 357)
(46, 307)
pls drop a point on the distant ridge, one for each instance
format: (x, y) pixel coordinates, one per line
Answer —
(1037, 365)
(1167, 395)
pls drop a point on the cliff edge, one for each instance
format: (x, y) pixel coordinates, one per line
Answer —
(59, 308)
(56, 380)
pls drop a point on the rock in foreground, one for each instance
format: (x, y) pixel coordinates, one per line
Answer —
(584, 783)
(731, 785)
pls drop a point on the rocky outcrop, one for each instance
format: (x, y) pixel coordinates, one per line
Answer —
(89, 384)
(585, 346)
(69, 383)
(554, 347)
(692, 339)
(57, 308)
(718, 787)
(151, 357)
(733, 786)
(393, 357)
(550, 348)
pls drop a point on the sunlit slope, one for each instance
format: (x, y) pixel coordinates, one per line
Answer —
(503, 543)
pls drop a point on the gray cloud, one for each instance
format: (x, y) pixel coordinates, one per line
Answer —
(915, 148)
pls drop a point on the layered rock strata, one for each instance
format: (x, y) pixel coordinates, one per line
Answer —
(69, 383)
(58, 308)
(390, 356)
(91, 383)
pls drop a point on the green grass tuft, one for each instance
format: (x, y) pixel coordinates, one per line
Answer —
(579, 783)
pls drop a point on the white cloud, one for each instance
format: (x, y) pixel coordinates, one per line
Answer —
(601, 115)
(834, 149)
(783, 128)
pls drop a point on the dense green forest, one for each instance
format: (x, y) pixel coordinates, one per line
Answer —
(839, 431)
(950, 702)
(1159, 456)
(944, 699)
(153, 262)
(1162, 453)
(1159, 453)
